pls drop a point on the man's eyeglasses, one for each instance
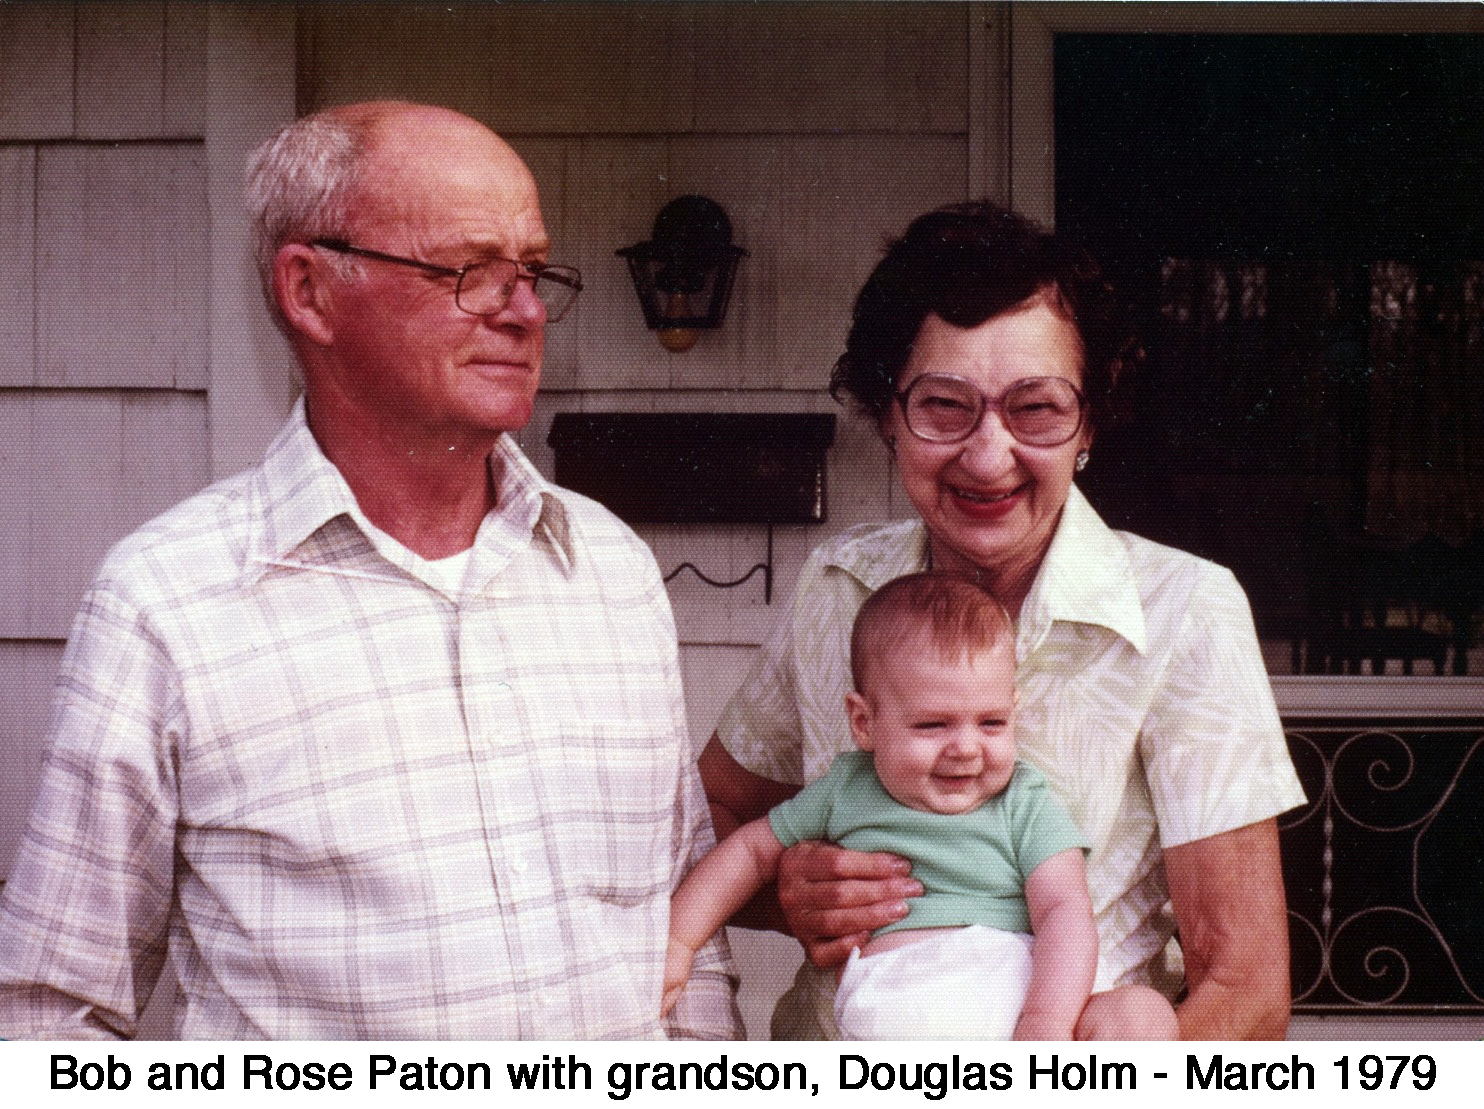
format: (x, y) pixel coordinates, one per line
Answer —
(484, 288)
(1037, 411)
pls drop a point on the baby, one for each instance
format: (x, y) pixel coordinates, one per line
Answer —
(1002, 940)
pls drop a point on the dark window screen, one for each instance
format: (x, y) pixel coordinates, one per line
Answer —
(1297, 225)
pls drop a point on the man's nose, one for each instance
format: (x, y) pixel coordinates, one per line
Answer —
(522, 303)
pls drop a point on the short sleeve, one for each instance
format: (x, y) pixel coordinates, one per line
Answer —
(1041, 824)
(806, 814)
(1213, 747)
(786, 721)
(761, 727)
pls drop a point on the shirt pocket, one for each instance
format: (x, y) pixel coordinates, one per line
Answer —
(616, 828)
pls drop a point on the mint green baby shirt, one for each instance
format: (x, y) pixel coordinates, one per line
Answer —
(972, 865)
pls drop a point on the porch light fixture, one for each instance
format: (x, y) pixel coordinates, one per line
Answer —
(684, 273)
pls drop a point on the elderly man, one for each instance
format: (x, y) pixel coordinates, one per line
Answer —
(383, 739)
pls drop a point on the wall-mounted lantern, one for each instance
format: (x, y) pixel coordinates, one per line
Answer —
(683, 275)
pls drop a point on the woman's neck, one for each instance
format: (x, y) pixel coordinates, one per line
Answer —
(1009, 583)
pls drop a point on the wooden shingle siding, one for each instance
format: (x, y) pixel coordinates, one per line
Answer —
(82, 470)
(17, 265)
(35, 71)
(104, 286)
(27, 671)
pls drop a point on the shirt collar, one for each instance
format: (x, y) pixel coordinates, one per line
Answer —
(299, 491)
(882, 553)
(528, 503)
(1086, 577)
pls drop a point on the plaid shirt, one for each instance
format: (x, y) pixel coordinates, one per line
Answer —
(343, 803)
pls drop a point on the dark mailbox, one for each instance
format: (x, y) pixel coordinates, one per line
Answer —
(697, 467)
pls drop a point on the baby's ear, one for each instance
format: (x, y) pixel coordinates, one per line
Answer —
(858, 711)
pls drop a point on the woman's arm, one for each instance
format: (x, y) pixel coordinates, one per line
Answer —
(737, 796)
(1227, 891)
(829, 898)
(1064, 957)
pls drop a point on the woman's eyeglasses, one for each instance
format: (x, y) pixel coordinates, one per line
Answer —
(1037, 411)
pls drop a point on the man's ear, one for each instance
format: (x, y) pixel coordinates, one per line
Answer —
(301, 279)
(858, 712)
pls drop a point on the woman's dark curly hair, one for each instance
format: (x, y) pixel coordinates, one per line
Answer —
(968, 263)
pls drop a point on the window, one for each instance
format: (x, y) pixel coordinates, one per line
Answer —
(1295, 223)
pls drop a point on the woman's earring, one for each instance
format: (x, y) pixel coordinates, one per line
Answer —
(1081, 461)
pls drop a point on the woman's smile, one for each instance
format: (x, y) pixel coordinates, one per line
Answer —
(984, 505)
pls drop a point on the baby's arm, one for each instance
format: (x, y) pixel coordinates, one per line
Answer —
(721, 883)
(1064, 956)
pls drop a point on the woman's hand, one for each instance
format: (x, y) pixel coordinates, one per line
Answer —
(834, 899)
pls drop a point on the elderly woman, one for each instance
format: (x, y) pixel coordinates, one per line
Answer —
(985, 350)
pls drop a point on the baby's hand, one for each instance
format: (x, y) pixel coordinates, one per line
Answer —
(678, 959)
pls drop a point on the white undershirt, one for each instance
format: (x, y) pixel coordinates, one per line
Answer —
(444, 574)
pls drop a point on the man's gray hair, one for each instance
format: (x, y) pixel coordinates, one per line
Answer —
(300, 184)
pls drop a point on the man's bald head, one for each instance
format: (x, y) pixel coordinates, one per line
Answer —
(304, 182)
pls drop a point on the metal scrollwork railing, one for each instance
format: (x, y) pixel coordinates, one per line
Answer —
(1384, 866)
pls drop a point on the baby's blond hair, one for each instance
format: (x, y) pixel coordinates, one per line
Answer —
(951, 613)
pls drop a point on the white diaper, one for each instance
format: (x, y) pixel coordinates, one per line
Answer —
(964, 984)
